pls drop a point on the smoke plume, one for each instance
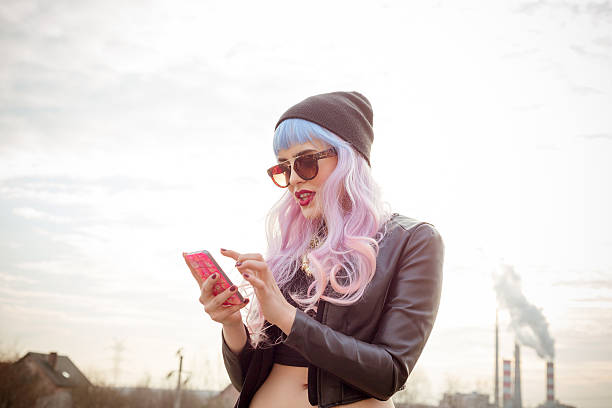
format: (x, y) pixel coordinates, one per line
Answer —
(528, 322)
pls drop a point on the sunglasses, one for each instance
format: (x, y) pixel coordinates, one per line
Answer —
(306, 166)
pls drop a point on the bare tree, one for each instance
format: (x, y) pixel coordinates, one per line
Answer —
(453, 383)
(97, 396)
(19, 388)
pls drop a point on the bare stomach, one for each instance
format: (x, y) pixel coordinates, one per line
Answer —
(287, 387)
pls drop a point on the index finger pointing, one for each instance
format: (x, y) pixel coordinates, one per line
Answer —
(230, 254)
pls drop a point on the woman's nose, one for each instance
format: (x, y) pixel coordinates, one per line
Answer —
(294, 178)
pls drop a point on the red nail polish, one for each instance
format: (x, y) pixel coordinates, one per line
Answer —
(213, 276)
(223, 249)
(233, 288)
(246, 301)
(238, 263)
(246, 275)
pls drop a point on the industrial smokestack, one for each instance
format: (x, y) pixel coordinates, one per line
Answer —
(518, 400)
(550, 383)
(496, 398)
(507, 384)
(528, 322)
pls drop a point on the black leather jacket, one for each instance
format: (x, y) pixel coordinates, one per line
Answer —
(369, 348)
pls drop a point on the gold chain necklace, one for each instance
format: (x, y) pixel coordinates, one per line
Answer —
(314, 243)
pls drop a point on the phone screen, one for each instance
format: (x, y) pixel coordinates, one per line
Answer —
(202, 265)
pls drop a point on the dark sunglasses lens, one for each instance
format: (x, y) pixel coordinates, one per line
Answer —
(280, 175)
(306, 167)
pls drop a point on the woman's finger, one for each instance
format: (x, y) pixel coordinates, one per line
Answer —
(223, 296)
(254, 256)
(222, 314)
(230, 254)
(260, 267)
(207, 287)
(256, 282)
(237, 256)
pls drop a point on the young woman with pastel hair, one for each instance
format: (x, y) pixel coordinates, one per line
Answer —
(347, 294)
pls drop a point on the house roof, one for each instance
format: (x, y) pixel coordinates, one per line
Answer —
(65, 374)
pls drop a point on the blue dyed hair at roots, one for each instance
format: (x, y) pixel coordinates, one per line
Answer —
(297, 131)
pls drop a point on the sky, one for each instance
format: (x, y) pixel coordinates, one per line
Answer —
(133, 131)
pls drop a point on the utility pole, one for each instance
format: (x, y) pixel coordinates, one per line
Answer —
(177, 399)
(118, 349)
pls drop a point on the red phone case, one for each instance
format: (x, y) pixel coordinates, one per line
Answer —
(202, 265)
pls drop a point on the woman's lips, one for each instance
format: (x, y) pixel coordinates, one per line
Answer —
(304, 197)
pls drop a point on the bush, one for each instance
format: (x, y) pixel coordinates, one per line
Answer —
(19, 388)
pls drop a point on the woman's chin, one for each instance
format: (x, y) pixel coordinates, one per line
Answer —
(311, 213)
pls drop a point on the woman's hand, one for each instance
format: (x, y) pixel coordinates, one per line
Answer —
(213, 305)
(274, 306)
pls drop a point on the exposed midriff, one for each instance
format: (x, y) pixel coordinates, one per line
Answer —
(287, 387)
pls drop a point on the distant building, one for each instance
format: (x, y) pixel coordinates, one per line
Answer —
(413, 405)
(58, 376)
(460, 400)
(554, 404)
(226, 398)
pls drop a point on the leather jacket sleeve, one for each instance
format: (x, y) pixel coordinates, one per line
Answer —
(381, 367)
(237, 364)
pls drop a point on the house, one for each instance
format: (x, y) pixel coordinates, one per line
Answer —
(58, 376)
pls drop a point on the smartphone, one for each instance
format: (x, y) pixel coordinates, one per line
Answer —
(202, 265)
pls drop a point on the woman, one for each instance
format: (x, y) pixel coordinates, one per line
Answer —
(347, 295)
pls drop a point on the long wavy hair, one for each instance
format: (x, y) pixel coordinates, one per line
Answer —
(352, 217)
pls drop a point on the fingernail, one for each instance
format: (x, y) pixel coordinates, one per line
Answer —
(233, 288)
(238, 263)
(223, 249)
(213, 276)
(246, 300)
(246, 275)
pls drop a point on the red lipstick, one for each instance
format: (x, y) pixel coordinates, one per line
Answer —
(304, 197)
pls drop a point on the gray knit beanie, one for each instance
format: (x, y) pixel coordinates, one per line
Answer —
(347, 114)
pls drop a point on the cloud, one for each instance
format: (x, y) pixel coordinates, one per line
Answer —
(51, 267)
(597, 299)
(105, 317)
(585, 90)
(583, 51)
(92, 306)
(547, 147)
(587, 284)
(596, 9)
(6, 278)
(604, 42)
(78, 193)
(601, 8)
(530, 7)
(32, 214)
(596, 136)
(73, 84)
(528, 107)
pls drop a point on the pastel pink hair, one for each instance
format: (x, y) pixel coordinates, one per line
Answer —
(353, 214)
